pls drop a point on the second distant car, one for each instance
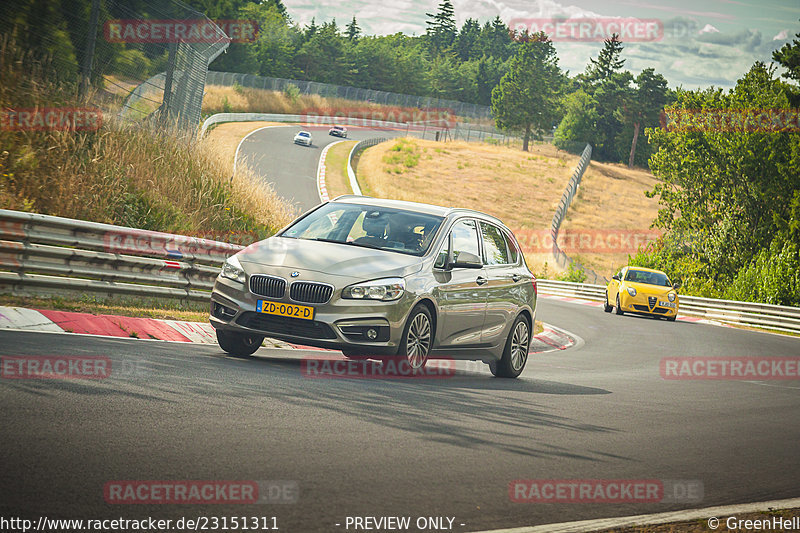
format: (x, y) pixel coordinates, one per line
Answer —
(642, 291)
(303, 137)
(338, 131)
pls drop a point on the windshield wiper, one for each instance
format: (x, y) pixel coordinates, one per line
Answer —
(360, 244)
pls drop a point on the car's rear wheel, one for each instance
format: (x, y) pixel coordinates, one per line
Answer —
(236, 343)
(515, 354)
(607, 308)
(618, 308)
(417, 338)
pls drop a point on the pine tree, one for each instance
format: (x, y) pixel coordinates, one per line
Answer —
(352, 30)
(441, 30)
(608, 62)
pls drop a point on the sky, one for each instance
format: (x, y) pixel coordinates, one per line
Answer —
(699, 43)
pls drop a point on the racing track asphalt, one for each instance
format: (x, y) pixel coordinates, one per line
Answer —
(445, 447)
(292, 168)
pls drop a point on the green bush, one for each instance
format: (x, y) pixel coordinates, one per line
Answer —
(575, 274)
(773, 276)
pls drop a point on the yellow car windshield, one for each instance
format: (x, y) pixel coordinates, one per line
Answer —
(649, 278)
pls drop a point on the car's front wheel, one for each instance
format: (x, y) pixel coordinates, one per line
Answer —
(236, 343)
(417, 338)
(618, 308)
(515, 354)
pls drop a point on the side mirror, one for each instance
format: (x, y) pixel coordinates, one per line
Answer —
(467, 260)
(676, 285)
(615, 277)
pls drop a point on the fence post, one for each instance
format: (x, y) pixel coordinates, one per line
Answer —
(88, 57)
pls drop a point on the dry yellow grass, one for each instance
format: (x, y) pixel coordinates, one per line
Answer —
(336, 178)
(611, 197)
(520, 188)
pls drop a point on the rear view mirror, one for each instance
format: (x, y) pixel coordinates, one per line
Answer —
(615, 277)
(676, 285)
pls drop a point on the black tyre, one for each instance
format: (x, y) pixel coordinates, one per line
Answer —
(617, 308)
(607, 308)
(515, 354)
(417, 338)
(672, 318)
(355, 355)
(236, 343)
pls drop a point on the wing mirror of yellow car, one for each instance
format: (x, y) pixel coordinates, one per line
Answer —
(676, 285)
(615, 277)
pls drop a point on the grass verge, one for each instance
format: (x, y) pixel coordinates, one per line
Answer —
(140, 308)
(336, 178)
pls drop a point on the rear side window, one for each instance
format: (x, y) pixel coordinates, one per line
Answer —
(494, 245)
(513, 252)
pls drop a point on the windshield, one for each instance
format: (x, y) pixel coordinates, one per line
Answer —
(303, 134)
(649, 278)
(394, 230)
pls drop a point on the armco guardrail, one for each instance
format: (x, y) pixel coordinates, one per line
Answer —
(41, 253)
(775, 317)
(561, 258)
(358, 148)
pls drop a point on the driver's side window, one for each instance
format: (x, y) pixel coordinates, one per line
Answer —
(465, 239)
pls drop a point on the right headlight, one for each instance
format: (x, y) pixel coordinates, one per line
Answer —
(232, 269)
(631, 291)
(386, 289)
(671, 297)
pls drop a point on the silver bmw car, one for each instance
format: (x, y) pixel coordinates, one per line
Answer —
(373, 277)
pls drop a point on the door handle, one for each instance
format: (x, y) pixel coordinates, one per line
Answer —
(516, 277)
(481, 280)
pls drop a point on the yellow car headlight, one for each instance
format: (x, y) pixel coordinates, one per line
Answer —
(631, 291)
(671, 297)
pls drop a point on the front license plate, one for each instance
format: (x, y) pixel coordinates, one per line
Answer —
(277, 308)
(667, 304)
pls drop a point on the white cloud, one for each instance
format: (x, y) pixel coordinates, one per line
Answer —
(781, 36)
(708, 28)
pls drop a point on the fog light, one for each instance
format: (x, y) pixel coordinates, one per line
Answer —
(372, 334)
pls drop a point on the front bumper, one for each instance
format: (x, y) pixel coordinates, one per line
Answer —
(340, 324)
(643, 304)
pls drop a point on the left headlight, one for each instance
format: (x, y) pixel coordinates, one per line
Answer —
(232, 269)
(380, 289)
(631, 291)
(671, 296)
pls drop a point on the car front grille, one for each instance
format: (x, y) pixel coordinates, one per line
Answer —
(296, 327)
(267, 286)
(310, 292)
(652, 301)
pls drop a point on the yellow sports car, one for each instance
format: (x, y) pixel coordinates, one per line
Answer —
(642, 291)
